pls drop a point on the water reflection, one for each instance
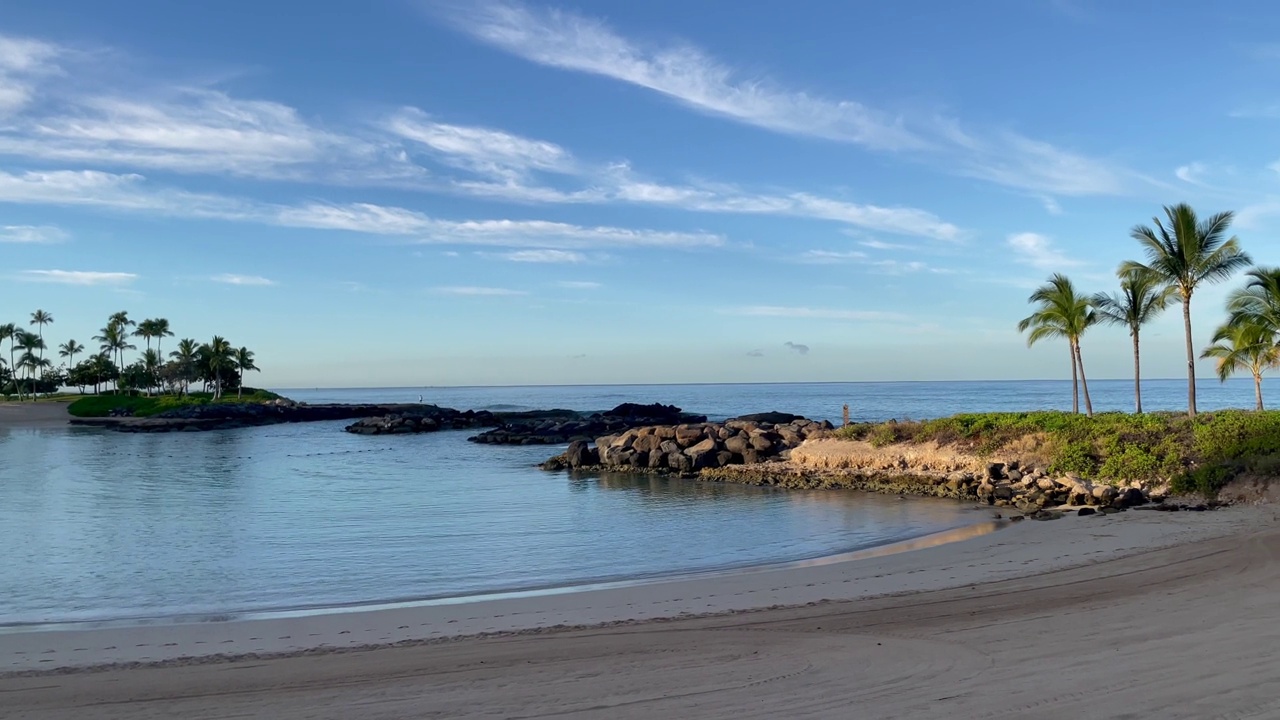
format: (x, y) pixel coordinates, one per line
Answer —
(104, 525)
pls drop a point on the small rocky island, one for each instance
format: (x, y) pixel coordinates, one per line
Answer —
(531, 429)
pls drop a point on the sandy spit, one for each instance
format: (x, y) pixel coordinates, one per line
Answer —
(44, 413)
(1080, 617)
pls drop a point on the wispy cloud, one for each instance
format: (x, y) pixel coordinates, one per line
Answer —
(755, 353)
(579, 285)
(541, 256)
(78, 277)
(232, 279)
(479, 291)
(797, 347)
(33, 234)
(22, 61)
(779, 311)
(1038, 251)
(569, 41)
(1191, 173)
(831, 257)
(681, 72)
(485, 150)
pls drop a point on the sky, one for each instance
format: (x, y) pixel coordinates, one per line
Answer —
(431, 192)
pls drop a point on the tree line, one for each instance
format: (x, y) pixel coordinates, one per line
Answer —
(27, 373)
(1183, 253)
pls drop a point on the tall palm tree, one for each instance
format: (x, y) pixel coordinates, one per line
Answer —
(9, 331)
(160, 330)
(1061, 312)
(1187, 253)
(32, 358)
(151, 361)
(218, 356)
(146, 331)
(41, 318)
(244, 363)
(114, 342)
(187, 355)
(1142, 297)
(1244, 345)
(69, 350)
(122, 323)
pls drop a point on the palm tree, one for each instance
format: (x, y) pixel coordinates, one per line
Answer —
(32, 344)
(113, 343)
(1185, 254)
(187, 354)
(41, 318)
(160, 330)
(1244, 345)
(145, 331)
(217, 356)
(69, 350)
(244, 363)
(1063, 313)
(122, 323)
(1142, 297)
(9, 332)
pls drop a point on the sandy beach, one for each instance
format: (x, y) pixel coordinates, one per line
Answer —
(45, 413)
(1135, 615)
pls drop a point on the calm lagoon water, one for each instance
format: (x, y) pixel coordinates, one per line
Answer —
(98, 525)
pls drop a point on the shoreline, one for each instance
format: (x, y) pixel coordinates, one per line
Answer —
(908, 544)
(1021, 550)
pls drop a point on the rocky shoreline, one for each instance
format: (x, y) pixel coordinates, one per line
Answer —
(223, 416)
(692, 447)
(570, 426)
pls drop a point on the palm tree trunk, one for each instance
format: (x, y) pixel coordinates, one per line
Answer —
(1084, 384)
(1137, 376)
(1191, 356)
(1257, 389)
(14, 371)
(1075, 381)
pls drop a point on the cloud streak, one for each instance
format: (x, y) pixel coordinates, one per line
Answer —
(797, 347)
(251, 280)
(474, 291)
(569, 41)
(78, 277)
(31, 234)
(1038, 251)
(680, 72)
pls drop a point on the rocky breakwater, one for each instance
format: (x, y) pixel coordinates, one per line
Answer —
(931, 471)
(226, 415)
(688, 448)
(422, 419)
(553, 427)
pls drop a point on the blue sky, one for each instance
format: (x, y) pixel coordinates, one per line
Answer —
(432, 193)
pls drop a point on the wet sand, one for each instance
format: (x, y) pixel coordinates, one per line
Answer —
(40, 414)
(1078, 617)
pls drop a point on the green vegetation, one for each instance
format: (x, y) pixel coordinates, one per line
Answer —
(27, 373)
(1198, 454)
(1183, 254)
(142, 406)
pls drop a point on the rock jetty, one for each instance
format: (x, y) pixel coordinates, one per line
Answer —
(221, 416)
(422, 419)
(688, 448)
(531, 429)
(1031, 491)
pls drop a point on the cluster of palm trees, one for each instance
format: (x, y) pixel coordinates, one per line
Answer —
(215, 363)
(1183, 253)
